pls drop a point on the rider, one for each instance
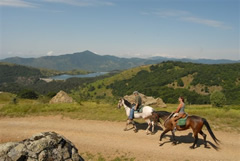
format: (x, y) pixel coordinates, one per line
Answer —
(179, 113)
(138, 103)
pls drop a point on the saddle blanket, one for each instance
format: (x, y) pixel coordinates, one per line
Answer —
(182, 121)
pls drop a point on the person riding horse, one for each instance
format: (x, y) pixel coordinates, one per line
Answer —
(179, 113)
(138, 103)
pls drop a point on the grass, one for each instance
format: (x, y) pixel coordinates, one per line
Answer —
(224, 119)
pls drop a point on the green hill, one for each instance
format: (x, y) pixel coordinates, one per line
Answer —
(169, 80)
(15, 78)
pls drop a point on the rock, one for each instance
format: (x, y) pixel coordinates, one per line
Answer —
(146, 100)
(46, 146)
(61, 97)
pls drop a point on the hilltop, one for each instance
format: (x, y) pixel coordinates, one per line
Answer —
(90, 61)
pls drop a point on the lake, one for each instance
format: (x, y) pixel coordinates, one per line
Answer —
(66, 76)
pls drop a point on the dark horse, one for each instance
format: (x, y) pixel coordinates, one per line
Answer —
(194, 122)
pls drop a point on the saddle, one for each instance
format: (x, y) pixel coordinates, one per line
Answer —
(140, 109)
(182, 121)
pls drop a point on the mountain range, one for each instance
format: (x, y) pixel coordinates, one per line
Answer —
(90, 61)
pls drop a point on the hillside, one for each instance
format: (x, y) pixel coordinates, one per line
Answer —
(169, 80)
(15, 78)
(90, 61)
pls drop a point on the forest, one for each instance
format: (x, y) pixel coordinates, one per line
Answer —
(167, 80)
(156, 82)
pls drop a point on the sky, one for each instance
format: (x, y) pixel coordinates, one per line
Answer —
(124, 28)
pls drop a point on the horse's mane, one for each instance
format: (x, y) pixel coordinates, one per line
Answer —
(163, 113)
(127, 103)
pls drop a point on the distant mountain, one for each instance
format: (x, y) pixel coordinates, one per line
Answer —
(158, 59)
(86, 60)
(90, 61)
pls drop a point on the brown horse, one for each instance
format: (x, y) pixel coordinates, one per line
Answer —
(194, 122)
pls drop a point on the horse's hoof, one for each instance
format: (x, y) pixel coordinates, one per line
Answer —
(135, 131)
(148, 132)
(125, 129)
(174, 143)
(191, 147)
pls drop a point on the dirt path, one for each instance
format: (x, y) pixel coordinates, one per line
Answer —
(109, 139)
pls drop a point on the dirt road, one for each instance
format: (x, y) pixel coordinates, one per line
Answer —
(109, 139)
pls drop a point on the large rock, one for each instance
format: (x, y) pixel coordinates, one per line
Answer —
(146, 100)
(61, 97)
(46, 146)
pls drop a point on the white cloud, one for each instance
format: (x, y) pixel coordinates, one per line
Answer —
(82, 3)
(16, 3)
(189, 17)
(50, 53)
(171, 13)
(208, 22)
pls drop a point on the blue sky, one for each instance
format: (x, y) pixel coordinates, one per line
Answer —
(123, 28)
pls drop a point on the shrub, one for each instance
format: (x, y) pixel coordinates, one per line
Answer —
(29, 94)
(217, 99)
(51, 94)
(180, 82)
(14, 100)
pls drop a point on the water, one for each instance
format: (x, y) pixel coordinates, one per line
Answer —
(66, 76)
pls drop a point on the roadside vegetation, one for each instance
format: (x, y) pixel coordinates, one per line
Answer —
(225, 118)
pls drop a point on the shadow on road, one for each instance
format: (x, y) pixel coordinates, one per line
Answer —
(189, 139)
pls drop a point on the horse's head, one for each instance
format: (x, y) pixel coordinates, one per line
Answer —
(124, 102)
(120, 102)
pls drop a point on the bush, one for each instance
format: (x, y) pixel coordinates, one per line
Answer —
(29, 94)
(51, 94)
(217, 99)
(180, 82)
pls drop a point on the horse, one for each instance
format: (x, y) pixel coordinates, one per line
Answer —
(194, 122)
(146, 113)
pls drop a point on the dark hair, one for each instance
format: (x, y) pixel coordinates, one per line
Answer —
(182, 98)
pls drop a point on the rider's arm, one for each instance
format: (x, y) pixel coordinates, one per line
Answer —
(179, 107)
(135, 108)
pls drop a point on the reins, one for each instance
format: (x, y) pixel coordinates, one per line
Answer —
(168, 118)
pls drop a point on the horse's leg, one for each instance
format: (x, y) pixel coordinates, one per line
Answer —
(163, 133)
(127, 123)
(149, 125)
(134, 126)
(204, 138)
(173, 136)
(153, 126)
(195, 141)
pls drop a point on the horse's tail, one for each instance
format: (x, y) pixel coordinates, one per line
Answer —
(210, 131)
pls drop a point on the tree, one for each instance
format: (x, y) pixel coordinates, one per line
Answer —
(28, 94)
(217, 99)
(180, 82)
